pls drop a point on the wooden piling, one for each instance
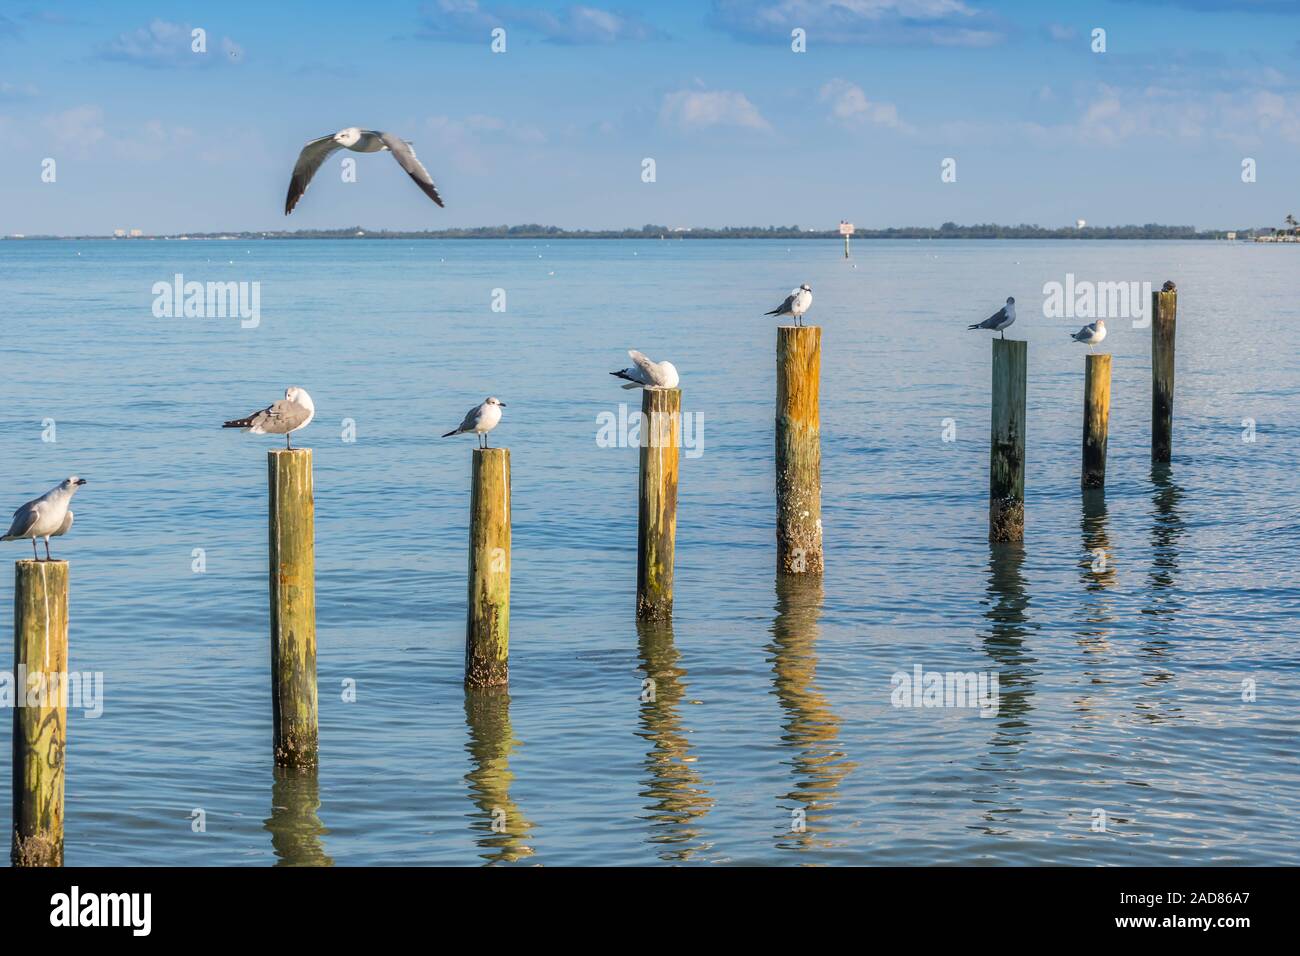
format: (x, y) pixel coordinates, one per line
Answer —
(661, 410)
(1007, 442)
(798, 450)
(487, 613)
(1096, 419)
(40, 711)
(1164, 320)
(292, 557)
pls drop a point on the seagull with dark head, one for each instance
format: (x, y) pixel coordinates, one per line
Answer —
(1000, 320)
(359, 141)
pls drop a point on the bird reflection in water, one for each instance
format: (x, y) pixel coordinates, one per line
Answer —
(676, 794)
(820, 763)
(294, 825)
(500, 828)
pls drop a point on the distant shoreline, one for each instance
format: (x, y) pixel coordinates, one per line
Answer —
(783, 233)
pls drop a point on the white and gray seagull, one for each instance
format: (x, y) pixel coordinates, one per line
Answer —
(359, 141)
(480, 420)
(999, 321)
(796, 303)
(1091, 334)
(644, 373)
(47, 517)
(294, 411)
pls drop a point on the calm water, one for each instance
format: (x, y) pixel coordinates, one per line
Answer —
(1121, 688)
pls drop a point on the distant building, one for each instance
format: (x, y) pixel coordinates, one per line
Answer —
(137, 233)
(1080, 223)
(119, 233)
(1232, 235)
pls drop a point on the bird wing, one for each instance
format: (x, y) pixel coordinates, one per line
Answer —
(650, 371)
(25, 519)
(283, 416)
(994, 320)
(405, 156)
(471, 419)
(785, 306)
(309, 160)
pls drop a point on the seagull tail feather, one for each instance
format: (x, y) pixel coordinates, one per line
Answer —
(453, 432)
(239, 423)
(975, 326)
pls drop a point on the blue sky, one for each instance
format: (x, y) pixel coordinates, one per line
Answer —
(147, 134)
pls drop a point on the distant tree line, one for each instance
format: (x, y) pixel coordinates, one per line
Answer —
(949, 230)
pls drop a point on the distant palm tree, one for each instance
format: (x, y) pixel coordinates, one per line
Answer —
(1290, 221)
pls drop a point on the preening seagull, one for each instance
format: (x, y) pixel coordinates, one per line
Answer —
(796, 303)
(644, 373)
(359, 141)
(286, 416)
(1091, 334)
(47, 517)
(1000, 320)
(480, 420)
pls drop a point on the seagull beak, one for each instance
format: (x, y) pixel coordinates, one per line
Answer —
(502, 404)
(81, 481)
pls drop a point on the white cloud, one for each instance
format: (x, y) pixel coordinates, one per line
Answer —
(704, 109)
(850, 106)
(165, 44)
(868, 22)
(76, 129)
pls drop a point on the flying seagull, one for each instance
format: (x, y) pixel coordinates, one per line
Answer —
(480, 419)
(359, 141)
(644, 373)
(46, 517)
(286, 416)
(1091, 334)
(1000, 320)
(796, 303)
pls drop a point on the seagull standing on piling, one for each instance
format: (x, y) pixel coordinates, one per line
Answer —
(999, 321)
(796, 303)
(480, 420)
(644, 373)
(46, 517)
(294, 411)
(359, 141)
(1091, 334)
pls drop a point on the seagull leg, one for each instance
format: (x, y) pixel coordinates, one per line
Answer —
(47, 547)
(288, 442)
(35, 556)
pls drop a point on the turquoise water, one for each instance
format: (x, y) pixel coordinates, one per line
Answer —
(1120, 688)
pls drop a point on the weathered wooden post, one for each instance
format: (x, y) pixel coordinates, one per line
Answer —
(1096, 419)
(1007, 442)
(798, 450)
(1164, 320)
(291, 547)
(661, 410)
(487, 609)
(40, 718)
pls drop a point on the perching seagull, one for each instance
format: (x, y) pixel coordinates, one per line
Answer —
(46, 517)
(1000, 320)
(359, 141)
(647, 374)
(286, 416)
(1091, 334)
(796, 303)
(480, 419)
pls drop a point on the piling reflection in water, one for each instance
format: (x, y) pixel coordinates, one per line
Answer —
(1164, 598)
(295, 827)
(1097, 572)
(501, 830)
(678, 798)
(819, 764)
(1007, 600)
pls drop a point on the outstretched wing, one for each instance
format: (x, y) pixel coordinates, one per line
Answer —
(309, 160)
(405, 156)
